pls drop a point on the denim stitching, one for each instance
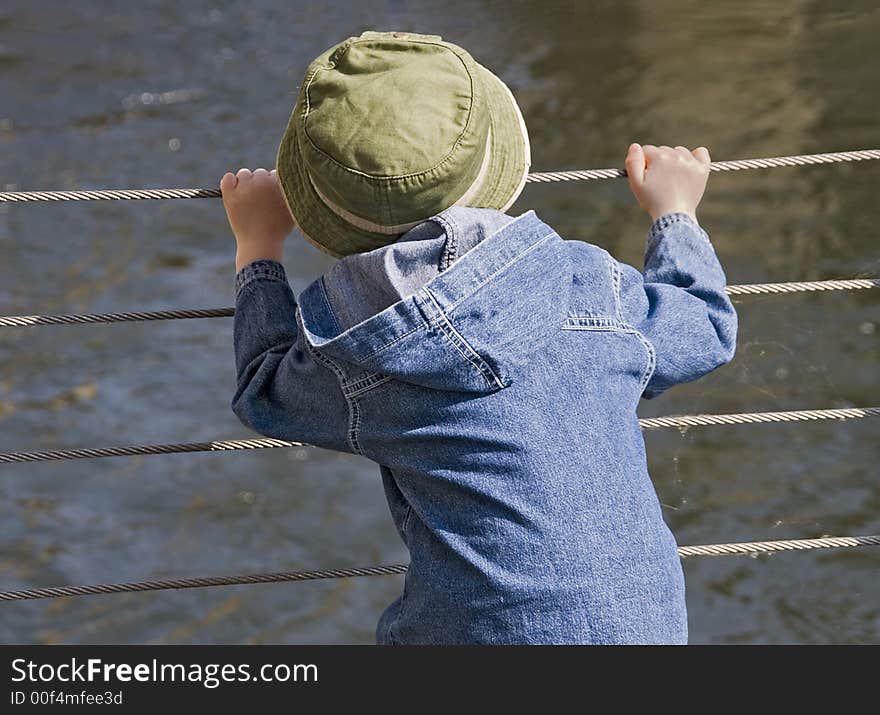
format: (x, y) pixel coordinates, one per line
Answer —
(263, 265)
(435, 320)
(359, 382)
(502, 268)
(355, 425)
(450, 250)
(257, 270)
(370, 386)
(354, 416)
(615, 284)
(450, 246)
(389, 344)
(427, 324)
(462, 345)
(353, 410)
(665, 221)
(655, 232)
(254, 279)
(592, 322)
(612, 325)
(651, 362)
(406, 519)
(322, 285)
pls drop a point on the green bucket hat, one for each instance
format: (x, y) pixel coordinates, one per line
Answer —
(391, 128)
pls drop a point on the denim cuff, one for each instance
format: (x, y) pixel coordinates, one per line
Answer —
(658, 228)
(262, 269)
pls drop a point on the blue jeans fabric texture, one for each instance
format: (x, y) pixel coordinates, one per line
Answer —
(492, 369)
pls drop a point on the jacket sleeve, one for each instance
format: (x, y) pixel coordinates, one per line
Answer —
(282, 391)
(679, 303)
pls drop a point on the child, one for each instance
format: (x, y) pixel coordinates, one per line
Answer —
(491, 368)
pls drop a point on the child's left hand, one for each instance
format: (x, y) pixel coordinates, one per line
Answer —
(257, 213)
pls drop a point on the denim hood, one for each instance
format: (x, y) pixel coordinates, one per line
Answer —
(398, 310)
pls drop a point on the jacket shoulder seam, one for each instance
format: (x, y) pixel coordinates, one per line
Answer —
(614, 268)
(607, 324)
(651, 362)
(354, 415)
(326, 298)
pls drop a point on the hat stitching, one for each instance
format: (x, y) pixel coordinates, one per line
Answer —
(398, 177)
(385, 224)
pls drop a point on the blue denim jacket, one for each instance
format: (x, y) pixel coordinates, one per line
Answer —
(493, 370)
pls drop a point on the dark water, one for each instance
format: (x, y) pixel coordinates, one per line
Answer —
(159, 93)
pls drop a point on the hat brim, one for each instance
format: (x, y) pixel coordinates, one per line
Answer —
(508, 168)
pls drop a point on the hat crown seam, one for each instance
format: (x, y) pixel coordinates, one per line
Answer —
(397, 177)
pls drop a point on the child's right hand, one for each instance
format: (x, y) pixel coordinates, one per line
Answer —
(666, 180)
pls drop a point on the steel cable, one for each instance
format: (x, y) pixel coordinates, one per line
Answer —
(683, 421)
(750, 547)
(536, 177)
(680, 421)
(18, 321)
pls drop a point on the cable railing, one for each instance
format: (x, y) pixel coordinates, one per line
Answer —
(20, 321)
(232, 445)
(670, 421)
(535, 177)
(739, 548)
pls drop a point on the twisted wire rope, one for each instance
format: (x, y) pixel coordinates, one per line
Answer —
(750, 547)
(18, 321)
(757, 547)
(680, 421)
(803, 286)
(741, 418)
(735, 165)
(536, 177)
(147, 449)
(539, 177)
